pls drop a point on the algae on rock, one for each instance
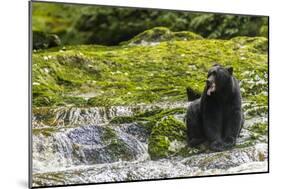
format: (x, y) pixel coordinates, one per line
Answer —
(168, 136)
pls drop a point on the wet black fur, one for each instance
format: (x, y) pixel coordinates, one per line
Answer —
(217, 118)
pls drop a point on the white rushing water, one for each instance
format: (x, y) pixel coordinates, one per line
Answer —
(237, 161)
(95, 151)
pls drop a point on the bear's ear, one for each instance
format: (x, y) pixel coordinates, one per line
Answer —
(216, 64)
(230, 70)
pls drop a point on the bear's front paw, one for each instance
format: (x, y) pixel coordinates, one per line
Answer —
(196, 141)
(229, 142)
(217, 146)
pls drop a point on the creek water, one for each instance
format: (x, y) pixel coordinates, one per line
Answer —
(86, 148)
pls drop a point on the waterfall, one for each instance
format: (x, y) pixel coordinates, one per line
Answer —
(85, 145)
(89, 116)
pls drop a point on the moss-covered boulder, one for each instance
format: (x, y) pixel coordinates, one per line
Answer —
(168, 137)
(43, 40)
(255, 44)
(164, 75)
(104, 145)
(94, 75)
(160, 34)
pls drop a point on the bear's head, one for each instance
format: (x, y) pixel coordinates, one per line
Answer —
(218, 78)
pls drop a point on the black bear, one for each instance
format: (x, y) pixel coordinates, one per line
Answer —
(216, 117)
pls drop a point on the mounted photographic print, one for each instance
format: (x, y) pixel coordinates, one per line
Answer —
(120, 94)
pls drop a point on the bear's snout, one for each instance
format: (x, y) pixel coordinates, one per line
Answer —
(211, 89)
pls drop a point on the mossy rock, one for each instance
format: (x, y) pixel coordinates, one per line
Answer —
(254, 44)
(103, 145)
(168, 137)
(160, 34)
(43, 40)
(131, 75)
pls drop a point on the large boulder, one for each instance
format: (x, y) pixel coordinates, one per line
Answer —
(84, 145)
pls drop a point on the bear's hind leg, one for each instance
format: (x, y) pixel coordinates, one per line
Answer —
(193, 121)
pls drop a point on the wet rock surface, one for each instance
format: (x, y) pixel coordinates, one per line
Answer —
(120, 151)
(85, 146)
(250, 159)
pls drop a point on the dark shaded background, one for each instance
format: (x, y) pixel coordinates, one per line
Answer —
(84, 24)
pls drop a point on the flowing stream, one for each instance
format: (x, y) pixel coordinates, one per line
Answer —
(85, 147)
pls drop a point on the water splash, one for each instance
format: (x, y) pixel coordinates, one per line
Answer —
(85, 148)
(85, 145)
(239, 160)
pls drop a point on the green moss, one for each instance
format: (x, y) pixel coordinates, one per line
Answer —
(46, 99)
(150, 113)
(118, 149)
(257, 111)
(247, 143)
(98, 101)
(160, 34)
(163, 133)
(259, 128)
(163, 113)
(129, 75)
(159, 147)
(254, 44)
(148, 119)
(186, 35)
(108, 134)
(75, 101)
(123, 119)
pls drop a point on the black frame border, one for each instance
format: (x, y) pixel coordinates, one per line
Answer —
(30, 165)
